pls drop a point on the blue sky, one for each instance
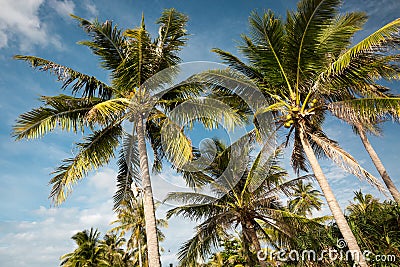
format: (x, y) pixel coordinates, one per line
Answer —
(32, 232)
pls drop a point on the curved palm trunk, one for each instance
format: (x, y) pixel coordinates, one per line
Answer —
(153, 253)
(332, 202)
(379, 165)
(251, 234)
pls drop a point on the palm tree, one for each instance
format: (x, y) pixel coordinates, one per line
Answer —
(131, 222)
(131, 58)
(88, 253)
(306, 67)
(246, 203)
(304, 199)
(376, 225)
(363, 204)
(230, 256)
(113, 253)
(378, 164)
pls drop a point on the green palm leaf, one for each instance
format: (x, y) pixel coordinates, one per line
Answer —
(128, 173)
(265, 47)
(107, 42)
(68, 113)
(96, 151)
(379, 39)
(366, 111)
(109, 110)
(204, 240)
(69, 77)
(172, 37)
(337, 35)
(302, 27)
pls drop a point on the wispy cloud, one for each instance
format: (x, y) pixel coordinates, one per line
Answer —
(42, 242)
(20, 22)
(90, 8)
(63, 8)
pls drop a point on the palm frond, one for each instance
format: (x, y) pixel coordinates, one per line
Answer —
(383, 37)
(190, 198)
(176, 145)
(236, 64)
(336, 36)
(89, 85)
(298, 158)
(107, 42)
(265, 46)
(194, 211)
(211, 112)
(230, 81)
(128, 173)
(262, 168)
(172, 36)
(109, 110)
(68, 113)
(345, 160)
(366, 111)
(96, 151)
(203, 242)
(137, 67)
(302, 28)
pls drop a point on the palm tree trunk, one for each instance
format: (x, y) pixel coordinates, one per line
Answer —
(153, 253)
(140, 255)
(251, 234)
(379, 165)
(332, 202)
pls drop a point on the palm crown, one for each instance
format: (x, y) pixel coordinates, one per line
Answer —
(306, 67)
(252, 202)
(131, 57)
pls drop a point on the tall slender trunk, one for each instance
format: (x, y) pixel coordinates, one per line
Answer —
(379, 165)
(153, 253)
(140, 255)
(251, 234)
(332, 202)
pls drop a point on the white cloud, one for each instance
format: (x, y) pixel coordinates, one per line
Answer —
(43, 240)
(19, 20)
(91, 8)
(104, 181)
(63, 8)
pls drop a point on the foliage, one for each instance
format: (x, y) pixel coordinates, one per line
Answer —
(377, 226)
(247, 203)
(230, 256)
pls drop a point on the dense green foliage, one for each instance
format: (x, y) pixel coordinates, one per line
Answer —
(307, 69)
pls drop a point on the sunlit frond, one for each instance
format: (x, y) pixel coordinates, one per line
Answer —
(137, 67)
(96, 151)
(109, 110)
(381, 38)
(366, 111)
(190, 198)
(66, 112)
(345, 160)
